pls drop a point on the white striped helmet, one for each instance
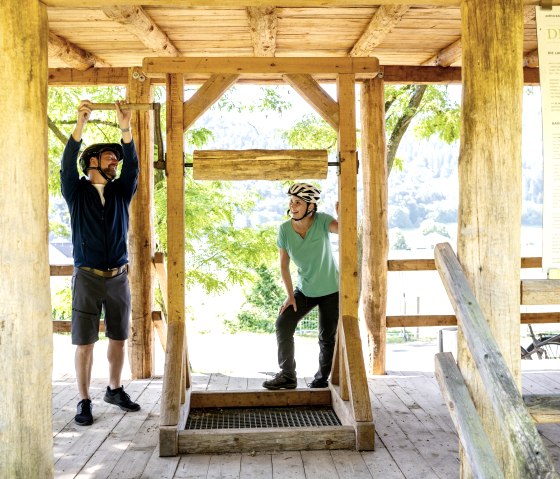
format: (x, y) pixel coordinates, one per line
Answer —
(305, 191)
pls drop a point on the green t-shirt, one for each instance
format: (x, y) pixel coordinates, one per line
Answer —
(317, 270)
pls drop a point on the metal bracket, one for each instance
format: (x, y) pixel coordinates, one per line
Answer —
(337, 164)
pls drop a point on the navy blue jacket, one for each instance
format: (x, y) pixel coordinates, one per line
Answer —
(99, 233)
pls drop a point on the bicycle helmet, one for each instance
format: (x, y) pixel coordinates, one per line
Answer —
(306, 192)
(96, 150)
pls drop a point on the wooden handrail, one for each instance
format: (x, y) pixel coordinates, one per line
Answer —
(475, 442)
(527, 448)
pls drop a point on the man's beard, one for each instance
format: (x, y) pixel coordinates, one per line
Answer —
(110, 172)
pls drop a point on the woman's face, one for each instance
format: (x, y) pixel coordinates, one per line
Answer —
(297, 206)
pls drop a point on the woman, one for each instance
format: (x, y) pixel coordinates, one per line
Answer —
(305, 240)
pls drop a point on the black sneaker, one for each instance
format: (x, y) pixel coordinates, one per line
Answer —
(281, 381)
(119, 398)
(84, 416)
(319, 383)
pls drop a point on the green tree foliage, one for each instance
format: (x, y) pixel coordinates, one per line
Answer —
(311, 132)
(263, 301)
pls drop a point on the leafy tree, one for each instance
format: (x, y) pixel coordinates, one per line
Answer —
(398, 240)
(431, 226)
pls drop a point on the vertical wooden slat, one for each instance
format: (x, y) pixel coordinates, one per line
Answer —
(25, 305)
(375, 228)
(141, 237)
(348, 252)
(490, 187)
(176, 252)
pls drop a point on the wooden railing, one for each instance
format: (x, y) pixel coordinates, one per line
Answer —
(515, 422)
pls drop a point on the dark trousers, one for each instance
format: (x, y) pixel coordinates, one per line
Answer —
(287, 322)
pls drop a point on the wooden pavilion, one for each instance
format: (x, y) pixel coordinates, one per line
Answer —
(488, 45)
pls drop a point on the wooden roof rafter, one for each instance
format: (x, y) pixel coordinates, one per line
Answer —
(263, 25)
(134, 19)
(72, 55)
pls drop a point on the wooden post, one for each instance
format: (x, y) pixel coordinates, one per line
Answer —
(141, 237)
(176, 252)
(490, 187)
(375, 229)
(25, 305)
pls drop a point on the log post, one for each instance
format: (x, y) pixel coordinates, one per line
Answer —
(490, 188)
(25, 304)
(141, 237)
(375, 230)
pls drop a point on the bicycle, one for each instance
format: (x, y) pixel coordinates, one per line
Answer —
(544, 346)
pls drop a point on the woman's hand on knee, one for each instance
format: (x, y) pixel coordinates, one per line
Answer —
(290, 301)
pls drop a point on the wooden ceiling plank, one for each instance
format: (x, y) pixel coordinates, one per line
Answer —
(72, 55)
(531, 59)
(382, 22)
(446, 57)
(137, 22)
(205, 97)
(316, 96)
(249, 65)
(263, 25)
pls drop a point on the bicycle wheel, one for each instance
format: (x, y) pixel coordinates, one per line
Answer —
(549, 350)
(525, 354)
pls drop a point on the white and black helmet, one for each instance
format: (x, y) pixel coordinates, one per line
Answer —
(305, 191)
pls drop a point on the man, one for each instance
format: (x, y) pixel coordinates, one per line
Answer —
(98, 205)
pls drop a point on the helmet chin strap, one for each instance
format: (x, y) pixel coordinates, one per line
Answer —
(101, 172)
(307, 213)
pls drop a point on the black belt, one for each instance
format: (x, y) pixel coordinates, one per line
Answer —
(106, 273)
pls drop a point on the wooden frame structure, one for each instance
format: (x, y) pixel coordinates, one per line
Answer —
(349, 391)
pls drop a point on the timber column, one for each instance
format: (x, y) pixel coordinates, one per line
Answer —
(490, 187)
(25, 305)
(141, 237)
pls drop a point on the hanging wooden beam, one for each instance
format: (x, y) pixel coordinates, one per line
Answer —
(72, 55)
(383, 21)
(259, 164)
(134, 19)
(141, 237)
(263, 25)
(252, 65)
(316, 96)
(25, 318)
(205, 97)
(375, 234)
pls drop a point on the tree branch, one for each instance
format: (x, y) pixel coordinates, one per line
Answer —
(57, 132)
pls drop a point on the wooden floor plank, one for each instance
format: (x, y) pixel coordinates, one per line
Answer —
(193, 466)
(224, 466)
(350, 465)
(160, 467)
(319, 465)
(287, 465)
(256, 466)
(218, 382)
(380, 462)
(237, 383)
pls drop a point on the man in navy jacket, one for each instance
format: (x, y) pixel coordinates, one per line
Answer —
(98, 205)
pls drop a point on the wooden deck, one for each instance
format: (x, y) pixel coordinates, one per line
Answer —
(415, 435)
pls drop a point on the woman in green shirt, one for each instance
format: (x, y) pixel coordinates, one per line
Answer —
(305, 240)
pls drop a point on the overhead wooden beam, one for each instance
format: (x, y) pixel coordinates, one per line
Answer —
(261, 3)
(540, 291)
(137, 22)
(447, 56)
(71, 54)
(259, 164)
(316, 96)
(252, 65)
(205, 97)
(383, 21)
(263, 24)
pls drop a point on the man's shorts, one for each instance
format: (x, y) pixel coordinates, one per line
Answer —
(92, 294)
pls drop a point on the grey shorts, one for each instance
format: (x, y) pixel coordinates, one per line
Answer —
(92, 294)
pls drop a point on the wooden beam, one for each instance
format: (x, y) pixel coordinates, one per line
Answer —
(161, 328)
(375, 234)
(477, 447)
(447, 56)
(261, 3)
(206, 96)
(383, 21)
(316, 96)
(25, 319)
(251, 65)
(260, 398)
(72, 55)
(526, 452)
(161, 272)
(543, 409)
(92, 76)
(540, 291)
(531, 59)
(141, 235)
(263, 25)
(259, 164)
(134, 19)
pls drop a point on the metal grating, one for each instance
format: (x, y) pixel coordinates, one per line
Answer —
(242, 418)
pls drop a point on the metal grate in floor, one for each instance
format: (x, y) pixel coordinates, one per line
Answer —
(241, 418)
